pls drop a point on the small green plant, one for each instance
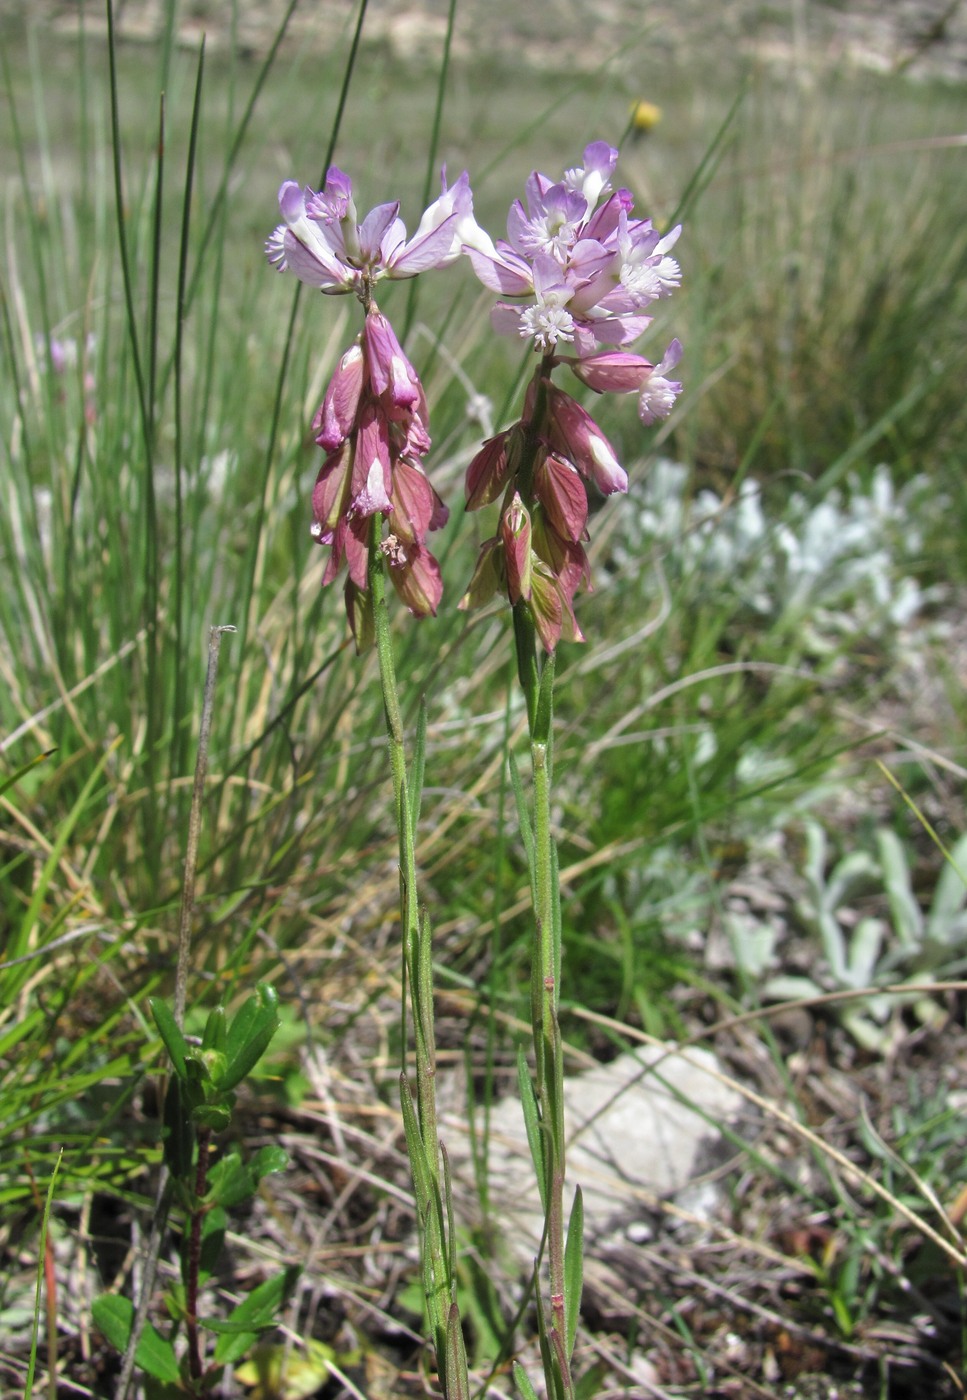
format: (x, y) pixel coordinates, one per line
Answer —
(202, 1187)
(858, 949)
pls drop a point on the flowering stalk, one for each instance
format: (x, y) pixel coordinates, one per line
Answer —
(373, 508)
(577, 272)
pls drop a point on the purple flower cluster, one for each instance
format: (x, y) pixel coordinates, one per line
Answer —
(582, 271)
(373, 421)
(576, 276)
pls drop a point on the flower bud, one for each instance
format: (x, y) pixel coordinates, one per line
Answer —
(488, 576)
(487, 473)
(515, 531)
(574, 433)
(336, 417)
(612, 371)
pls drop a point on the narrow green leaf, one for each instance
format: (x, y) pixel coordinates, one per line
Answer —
(263, 1002)
(523, 815)
(114, 1317)
(214, 1224)
(573, 1271)
(19, 941)
(215, 1036)
(175, 1043)
(457, 1380)
(532, 1123)
(179, 1135)
(523, 1384)
(419, 1166)
(41, 1263)
(545, 704)
(259, 1310)
(11, 779)
(415, 786)
(451, 1239)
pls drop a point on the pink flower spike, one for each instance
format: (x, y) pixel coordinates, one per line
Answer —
(593, 179)
(502, 271)
(612, 371)
(335, 419)
(335, 202)
(515, 530)
(446, 228)
(547, 607)
(356, 540)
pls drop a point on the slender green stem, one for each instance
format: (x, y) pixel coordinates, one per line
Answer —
(193, 1271)
(537, 682)
(432, 1192)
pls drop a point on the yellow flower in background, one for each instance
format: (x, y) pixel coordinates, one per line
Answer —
(644, 116)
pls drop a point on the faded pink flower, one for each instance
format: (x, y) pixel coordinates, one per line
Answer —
(373, 423)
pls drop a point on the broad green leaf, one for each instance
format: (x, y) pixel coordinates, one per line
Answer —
(259, 1310)
(250, 1034)
(573, 1271)
(279, 1372)
(230, 1182)
(949, 896)
(212, 1115)
(268, 1161)
(905, 911)
(114, 1316)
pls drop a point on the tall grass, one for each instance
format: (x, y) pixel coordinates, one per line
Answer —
(156, 482)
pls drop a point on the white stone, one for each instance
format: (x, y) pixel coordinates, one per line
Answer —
(636, 1130)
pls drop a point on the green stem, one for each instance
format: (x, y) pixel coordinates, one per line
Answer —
(418, 973)
(416, 940)
(537, 682)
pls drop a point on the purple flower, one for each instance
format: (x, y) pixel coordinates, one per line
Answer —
(321, 242)
(578, 271)
(373, 423)
(582, 270)
(618, 372)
